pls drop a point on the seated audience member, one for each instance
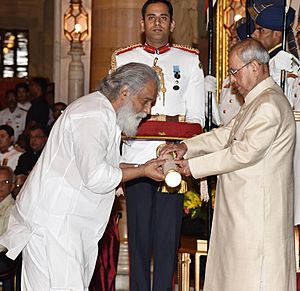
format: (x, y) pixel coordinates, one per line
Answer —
(39, 110)
(9, 155)
(22, 90)
(13, 115)
(57, 109)
(7, 180)
(38, 136)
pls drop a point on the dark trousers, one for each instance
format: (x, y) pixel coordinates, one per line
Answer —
(10, 272)
(153, 222)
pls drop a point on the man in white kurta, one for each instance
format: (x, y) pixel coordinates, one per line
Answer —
(64, 205)
(252, 243)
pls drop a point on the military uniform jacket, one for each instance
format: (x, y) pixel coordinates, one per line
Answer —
(184, 82)
(252, 241)
(14, 119)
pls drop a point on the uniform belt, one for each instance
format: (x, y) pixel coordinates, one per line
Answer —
(163, 117)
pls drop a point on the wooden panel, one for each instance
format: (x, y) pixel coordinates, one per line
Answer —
(115, 24)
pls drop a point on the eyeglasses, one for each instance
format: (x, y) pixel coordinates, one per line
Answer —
(234, 72)
(5, 182)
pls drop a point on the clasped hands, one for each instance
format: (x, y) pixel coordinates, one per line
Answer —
(153, 168)
(179, 150)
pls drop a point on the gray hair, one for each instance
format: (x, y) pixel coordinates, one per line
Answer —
(133, 75)
(10, 171)
(249, 50)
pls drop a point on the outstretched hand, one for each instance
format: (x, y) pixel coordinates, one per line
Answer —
(153, 169)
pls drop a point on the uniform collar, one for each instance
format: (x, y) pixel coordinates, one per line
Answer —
(152, 50)
(275, 50)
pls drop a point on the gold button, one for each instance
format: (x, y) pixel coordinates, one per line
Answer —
(230, 100)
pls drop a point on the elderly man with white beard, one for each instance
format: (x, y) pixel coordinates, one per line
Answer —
(63, 208)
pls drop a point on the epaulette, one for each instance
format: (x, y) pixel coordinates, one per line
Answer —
(186, 48)
(113, 64)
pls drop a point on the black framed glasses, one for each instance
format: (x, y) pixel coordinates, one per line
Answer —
(234, 72)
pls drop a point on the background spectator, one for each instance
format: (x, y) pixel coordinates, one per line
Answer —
(22, 90)
(39, 110)
(38, 136)
(13, 115)
(9, 155)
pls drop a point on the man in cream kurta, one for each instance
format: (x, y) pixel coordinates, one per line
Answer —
(252, 244)
(64, 205)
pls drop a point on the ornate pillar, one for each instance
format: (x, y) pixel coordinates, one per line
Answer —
(76, 72)
(115, 24)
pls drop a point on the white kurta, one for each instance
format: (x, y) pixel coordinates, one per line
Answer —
(68, 196)
(252, 241)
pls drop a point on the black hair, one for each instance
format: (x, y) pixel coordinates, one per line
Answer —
(22, 85)
(10, 131)
(166, 2)
(41, 82)
(41, 127)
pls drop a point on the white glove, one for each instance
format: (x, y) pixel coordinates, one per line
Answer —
(284, 61)
(210, 83)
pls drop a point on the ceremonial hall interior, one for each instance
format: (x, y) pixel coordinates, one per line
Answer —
(70, 44)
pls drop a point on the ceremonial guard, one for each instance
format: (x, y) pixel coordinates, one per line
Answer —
(154, 215)
(284, 68)
(230, 100)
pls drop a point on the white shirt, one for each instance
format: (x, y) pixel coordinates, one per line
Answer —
(16, 120)
(70, 191)
(25, 106)
(10, 158)
(188, 100)
(288, 62)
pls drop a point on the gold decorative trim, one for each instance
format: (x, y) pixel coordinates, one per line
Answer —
(185, 47)
(113, 63)
(297, 116)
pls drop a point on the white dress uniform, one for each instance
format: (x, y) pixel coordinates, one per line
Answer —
(10, 158)
(184, 82)
(230, 103)
(16, 120)
(25, 106)
(154, 217)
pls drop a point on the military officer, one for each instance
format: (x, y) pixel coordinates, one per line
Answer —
(154, 217)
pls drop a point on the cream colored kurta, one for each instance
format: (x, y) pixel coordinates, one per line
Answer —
(252, 244)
